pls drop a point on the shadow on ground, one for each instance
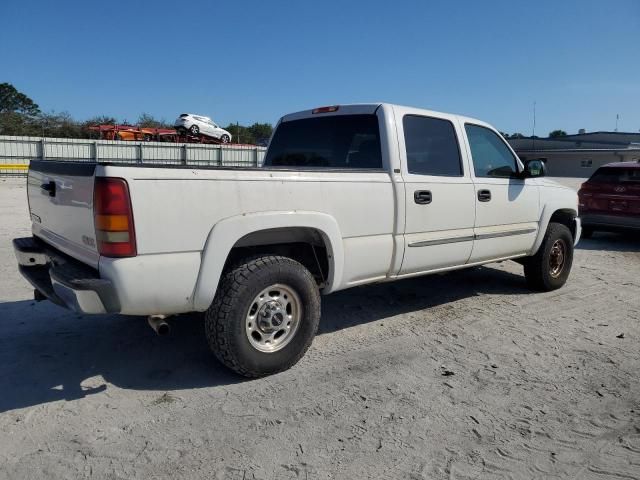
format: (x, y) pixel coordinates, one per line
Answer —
(49, 354)
(614, 242)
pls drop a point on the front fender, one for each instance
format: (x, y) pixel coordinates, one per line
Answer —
(545, 218)
(226, 233)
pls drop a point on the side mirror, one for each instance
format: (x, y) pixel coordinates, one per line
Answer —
(534, 168)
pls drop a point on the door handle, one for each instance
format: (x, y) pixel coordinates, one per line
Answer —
(484, 195)
(49, 187)
(422, 197)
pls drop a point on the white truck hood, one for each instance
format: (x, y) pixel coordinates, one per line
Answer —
(547, 182)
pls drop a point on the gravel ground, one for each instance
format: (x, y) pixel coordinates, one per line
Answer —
(462, 375)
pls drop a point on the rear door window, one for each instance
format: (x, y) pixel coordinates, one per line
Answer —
(338, 141)
(432, 146)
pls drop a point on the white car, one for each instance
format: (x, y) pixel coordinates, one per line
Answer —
(348, 195)
(201, 125)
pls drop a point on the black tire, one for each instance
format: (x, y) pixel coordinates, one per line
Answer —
(225, 320)
(224, 139)
(586, 232)
(541, 270)
(147, 137)
(195, 130)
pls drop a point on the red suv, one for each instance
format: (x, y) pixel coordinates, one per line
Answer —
(610, 199)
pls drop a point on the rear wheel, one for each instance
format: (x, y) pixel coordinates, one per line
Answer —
(264, 316)
(195, 130)
(549, 268)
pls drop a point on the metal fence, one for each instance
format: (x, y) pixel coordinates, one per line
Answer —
(16, 152)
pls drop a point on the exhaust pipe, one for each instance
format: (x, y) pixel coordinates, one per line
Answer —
(159, 324)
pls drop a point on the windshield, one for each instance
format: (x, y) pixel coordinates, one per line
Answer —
(616, 175)
(339, 141)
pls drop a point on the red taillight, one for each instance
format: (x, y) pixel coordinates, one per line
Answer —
(333, 108)
(113, 218)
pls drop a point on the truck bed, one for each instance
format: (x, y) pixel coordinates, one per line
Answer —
(175, 209)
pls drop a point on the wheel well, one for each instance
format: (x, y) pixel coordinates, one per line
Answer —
(305, 245)
(566, 217)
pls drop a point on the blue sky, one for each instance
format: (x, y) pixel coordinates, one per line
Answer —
(256, 60)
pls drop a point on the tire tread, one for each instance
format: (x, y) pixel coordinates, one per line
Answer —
(218, 319)
(535, 267)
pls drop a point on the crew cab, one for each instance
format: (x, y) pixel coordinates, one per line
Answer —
(348, 195)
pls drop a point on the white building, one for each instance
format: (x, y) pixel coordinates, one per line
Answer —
(579, 155)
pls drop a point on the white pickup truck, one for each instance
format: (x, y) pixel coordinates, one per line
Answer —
(348, 195)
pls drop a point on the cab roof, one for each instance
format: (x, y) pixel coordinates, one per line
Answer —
(369, 108)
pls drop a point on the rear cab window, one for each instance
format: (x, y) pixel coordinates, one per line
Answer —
(337, 141)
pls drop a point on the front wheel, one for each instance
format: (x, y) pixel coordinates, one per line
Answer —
(549, 268)
(264, 316)
(225, 139)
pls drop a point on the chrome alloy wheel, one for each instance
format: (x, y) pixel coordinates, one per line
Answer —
(273, 318)
(557, 258)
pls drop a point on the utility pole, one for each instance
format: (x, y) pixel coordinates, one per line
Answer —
(533, 134)
(617, 118)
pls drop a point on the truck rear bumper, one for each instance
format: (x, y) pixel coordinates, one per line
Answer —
(64, 281)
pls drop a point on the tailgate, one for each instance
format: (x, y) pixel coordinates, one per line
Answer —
(61, 207)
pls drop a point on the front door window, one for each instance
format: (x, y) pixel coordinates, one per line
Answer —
(491, 156)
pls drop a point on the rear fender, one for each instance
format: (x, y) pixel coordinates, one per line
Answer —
(226, 233)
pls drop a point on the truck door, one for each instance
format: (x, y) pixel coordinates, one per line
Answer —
(507, 207)
(439, 193)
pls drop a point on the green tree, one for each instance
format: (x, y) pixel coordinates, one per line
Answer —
(256, 133)
(19, 115)
(13, 101)
(60, 125)
(17, 112)
(101, 120)
(149, 121)
(12, 123)
(557, 134)
(513, 136)
(261, 132)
